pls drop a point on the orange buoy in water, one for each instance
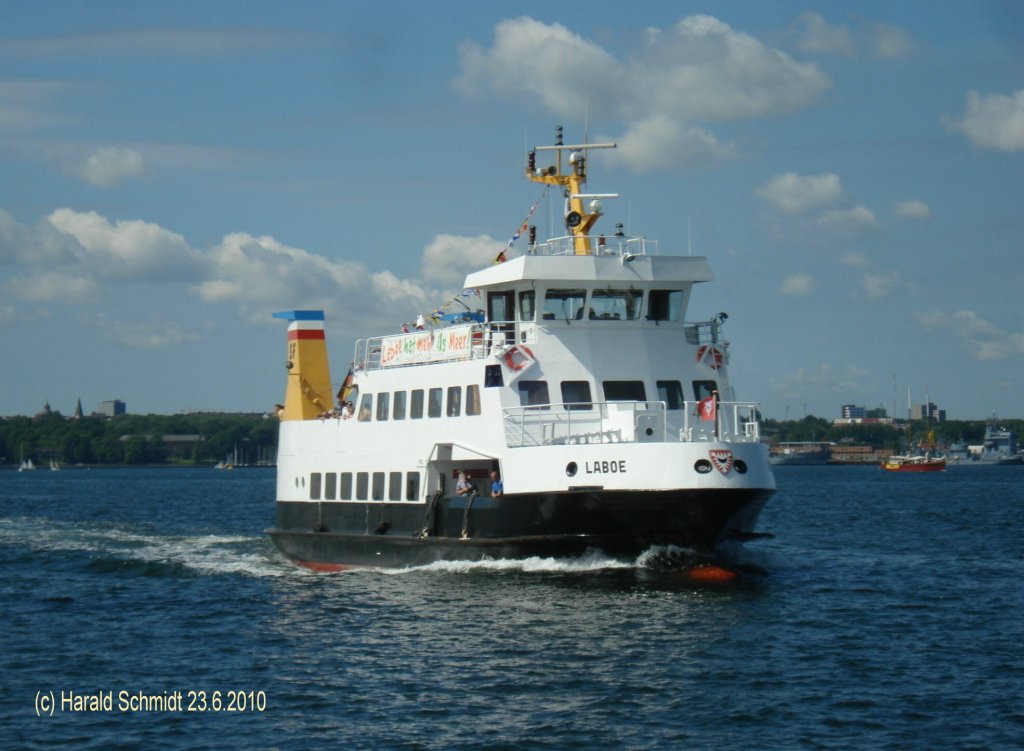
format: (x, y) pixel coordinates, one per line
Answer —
(709, 573)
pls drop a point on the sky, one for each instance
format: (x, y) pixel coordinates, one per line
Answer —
(173, 173)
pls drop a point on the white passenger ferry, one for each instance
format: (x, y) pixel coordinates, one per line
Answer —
(609, 419)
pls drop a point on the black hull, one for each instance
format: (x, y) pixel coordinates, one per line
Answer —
(335, 536)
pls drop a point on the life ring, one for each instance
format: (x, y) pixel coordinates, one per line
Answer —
(510, 357)
(713, 355)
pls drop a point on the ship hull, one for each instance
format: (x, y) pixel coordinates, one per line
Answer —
(620, 524)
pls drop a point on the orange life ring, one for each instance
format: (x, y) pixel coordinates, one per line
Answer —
(713, 355)
(510, 360)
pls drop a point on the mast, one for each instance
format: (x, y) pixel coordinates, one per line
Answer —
(578, 218)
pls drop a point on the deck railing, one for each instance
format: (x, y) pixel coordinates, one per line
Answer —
(627, 422)
(616, 245)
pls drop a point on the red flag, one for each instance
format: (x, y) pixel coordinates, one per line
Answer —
(706, 408)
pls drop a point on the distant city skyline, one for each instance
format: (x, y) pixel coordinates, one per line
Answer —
(172, 174)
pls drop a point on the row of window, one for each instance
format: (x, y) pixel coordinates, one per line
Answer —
(576, 394)
(368, 486)
(437, 401)
(604, 305)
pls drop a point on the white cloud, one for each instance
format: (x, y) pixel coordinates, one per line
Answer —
(796, 194)
(992, 121)
(913, 209)
(984, 340)
(700, 69)
(448, 258)
(814, 35)
(107, 167)
(888, 42)
(660, 142)
(813, 207)
(54, 286)
(128, 249)
(797, 285)
(877, 286)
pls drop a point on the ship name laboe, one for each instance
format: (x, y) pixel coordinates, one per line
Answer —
(614, 467)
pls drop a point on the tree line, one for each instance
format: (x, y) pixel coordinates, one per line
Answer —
(893, 436)
(138, 439)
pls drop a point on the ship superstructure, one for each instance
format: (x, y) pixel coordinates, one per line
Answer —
(609, 418)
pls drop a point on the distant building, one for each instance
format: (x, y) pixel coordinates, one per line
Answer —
(852, 411)
(110, 408)
(927, 412)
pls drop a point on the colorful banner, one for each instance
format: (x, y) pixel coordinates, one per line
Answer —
(454, 343)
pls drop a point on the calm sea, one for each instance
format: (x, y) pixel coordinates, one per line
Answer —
(890, 616)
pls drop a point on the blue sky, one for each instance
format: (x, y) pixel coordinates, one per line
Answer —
(172, 173)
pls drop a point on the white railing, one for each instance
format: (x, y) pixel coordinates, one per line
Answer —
(627, 422)
(616, 245)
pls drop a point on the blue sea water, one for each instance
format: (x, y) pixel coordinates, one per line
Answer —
(890, 616)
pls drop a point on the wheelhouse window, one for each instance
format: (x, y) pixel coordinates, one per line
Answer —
(454, 401)
(564, 304)
(383, 403)
(398, 413)
(703, 389)
(330, 486)
(671, 392)
(533, 393)
(362, 486)
(576, 394)
(472, 400)
(346, 486)
(493, 377)
(624, 391)
(416, 404)
(434, 403)
(615, 304)
(314, 486)
(664, 304)
(378, 486)
(526, 305)
(366, 408)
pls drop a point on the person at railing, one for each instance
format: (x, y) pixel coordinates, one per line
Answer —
(464, 486)
(497, 487)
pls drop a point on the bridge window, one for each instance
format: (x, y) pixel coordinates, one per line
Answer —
(624, 391)
(533, 393)
(615, 304)
(362, 486)
(383, 403)
(434, 403)
(703, 389)
(399, 411)
(492, 376)
(346, 486)
(314, 486)
(366, 408)
(473, 400)
(665, 305)
(330, 486)
(416, 405)
(378, 486)
(576, 394)
(564, 304)
(526, 305)
(671, 392)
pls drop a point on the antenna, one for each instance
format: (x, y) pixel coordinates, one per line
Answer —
(689, 242)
